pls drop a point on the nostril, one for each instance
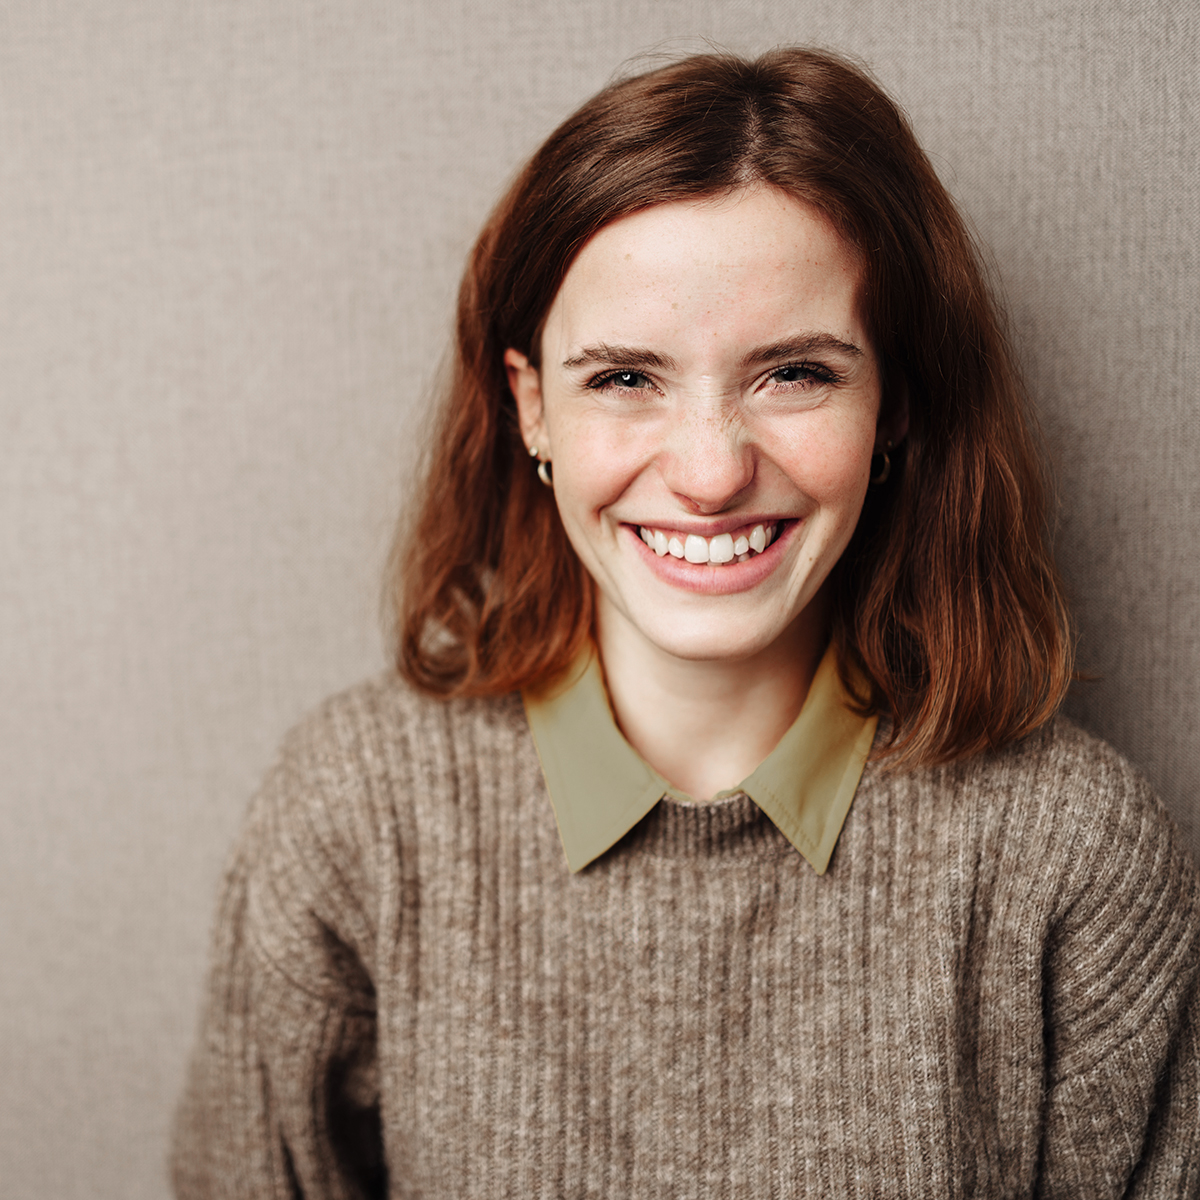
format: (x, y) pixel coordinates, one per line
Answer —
(708, 508)
(710, 476)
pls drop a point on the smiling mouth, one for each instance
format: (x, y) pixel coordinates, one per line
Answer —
(716, 551)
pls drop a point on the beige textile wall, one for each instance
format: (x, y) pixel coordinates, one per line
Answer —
(229, 237)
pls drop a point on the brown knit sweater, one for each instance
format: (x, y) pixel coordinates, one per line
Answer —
(988, 994)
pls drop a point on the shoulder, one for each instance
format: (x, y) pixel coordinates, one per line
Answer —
(1062, 793)
(358, 782)
(1058, 826)
(1055, 860)
(384, 731)
(1102, 828)
(1123, 898)
(1113, 841)
(350, 775)
(1059, 763)
(369, 766)
(1084, 851)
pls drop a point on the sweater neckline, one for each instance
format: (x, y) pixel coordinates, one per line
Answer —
(730, 827)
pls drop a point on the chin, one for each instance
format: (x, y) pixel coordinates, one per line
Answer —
(709, 645)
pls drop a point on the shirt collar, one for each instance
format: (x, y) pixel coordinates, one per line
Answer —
(600, 787)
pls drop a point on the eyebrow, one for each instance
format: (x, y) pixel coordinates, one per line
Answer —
(625, 356)
(636, 357)
(801, 347)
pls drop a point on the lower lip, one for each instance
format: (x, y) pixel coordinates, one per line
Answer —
(723, 580)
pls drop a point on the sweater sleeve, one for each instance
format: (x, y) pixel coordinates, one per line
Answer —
(282, 1096)
(1121, 1117)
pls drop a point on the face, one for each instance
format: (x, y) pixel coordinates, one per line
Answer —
(710, 402)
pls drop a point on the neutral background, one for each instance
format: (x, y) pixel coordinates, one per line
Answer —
(229, 238)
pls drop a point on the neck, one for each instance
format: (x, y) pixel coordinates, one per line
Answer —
(705, 724)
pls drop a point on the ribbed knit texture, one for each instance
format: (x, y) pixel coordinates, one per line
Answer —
(988, 994)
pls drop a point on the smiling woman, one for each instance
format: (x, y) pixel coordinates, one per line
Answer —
(768, 647)
(706, 380)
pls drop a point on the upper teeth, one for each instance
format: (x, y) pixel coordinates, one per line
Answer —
(720, 549)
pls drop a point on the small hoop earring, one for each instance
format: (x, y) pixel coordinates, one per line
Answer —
(544, 472)
(881, 476)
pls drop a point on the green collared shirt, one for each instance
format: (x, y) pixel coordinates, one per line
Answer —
(601, 788)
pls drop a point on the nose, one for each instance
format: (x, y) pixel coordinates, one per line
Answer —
(708, 461)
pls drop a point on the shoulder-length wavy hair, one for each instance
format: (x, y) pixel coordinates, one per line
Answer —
(948, 612)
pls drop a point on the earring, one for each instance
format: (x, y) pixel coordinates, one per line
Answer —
(543, 467)
(881, 476)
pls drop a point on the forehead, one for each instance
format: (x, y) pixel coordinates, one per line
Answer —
(733, 262)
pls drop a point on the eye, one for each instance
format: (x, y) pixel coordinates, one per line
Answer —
(801, 375)
(624, 380)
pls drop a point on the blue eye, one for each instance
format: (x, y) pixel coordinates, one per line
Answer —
(626, 380)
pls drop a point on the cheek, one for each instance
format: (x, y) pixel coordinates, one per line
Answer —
(831, 466)
(596, 464)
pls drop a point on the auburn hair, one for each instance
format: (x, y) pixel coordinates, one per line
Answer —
(948, 614)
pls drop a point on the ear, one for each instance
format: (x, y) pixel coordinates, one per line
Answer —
(892, 425)
(526, 387)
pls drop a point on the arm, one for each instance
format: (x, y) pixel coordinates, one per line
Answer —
(1123, 1107)
(282, 1097)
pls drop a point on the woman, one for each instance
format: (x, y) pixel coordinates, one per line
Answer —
(767, 644)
